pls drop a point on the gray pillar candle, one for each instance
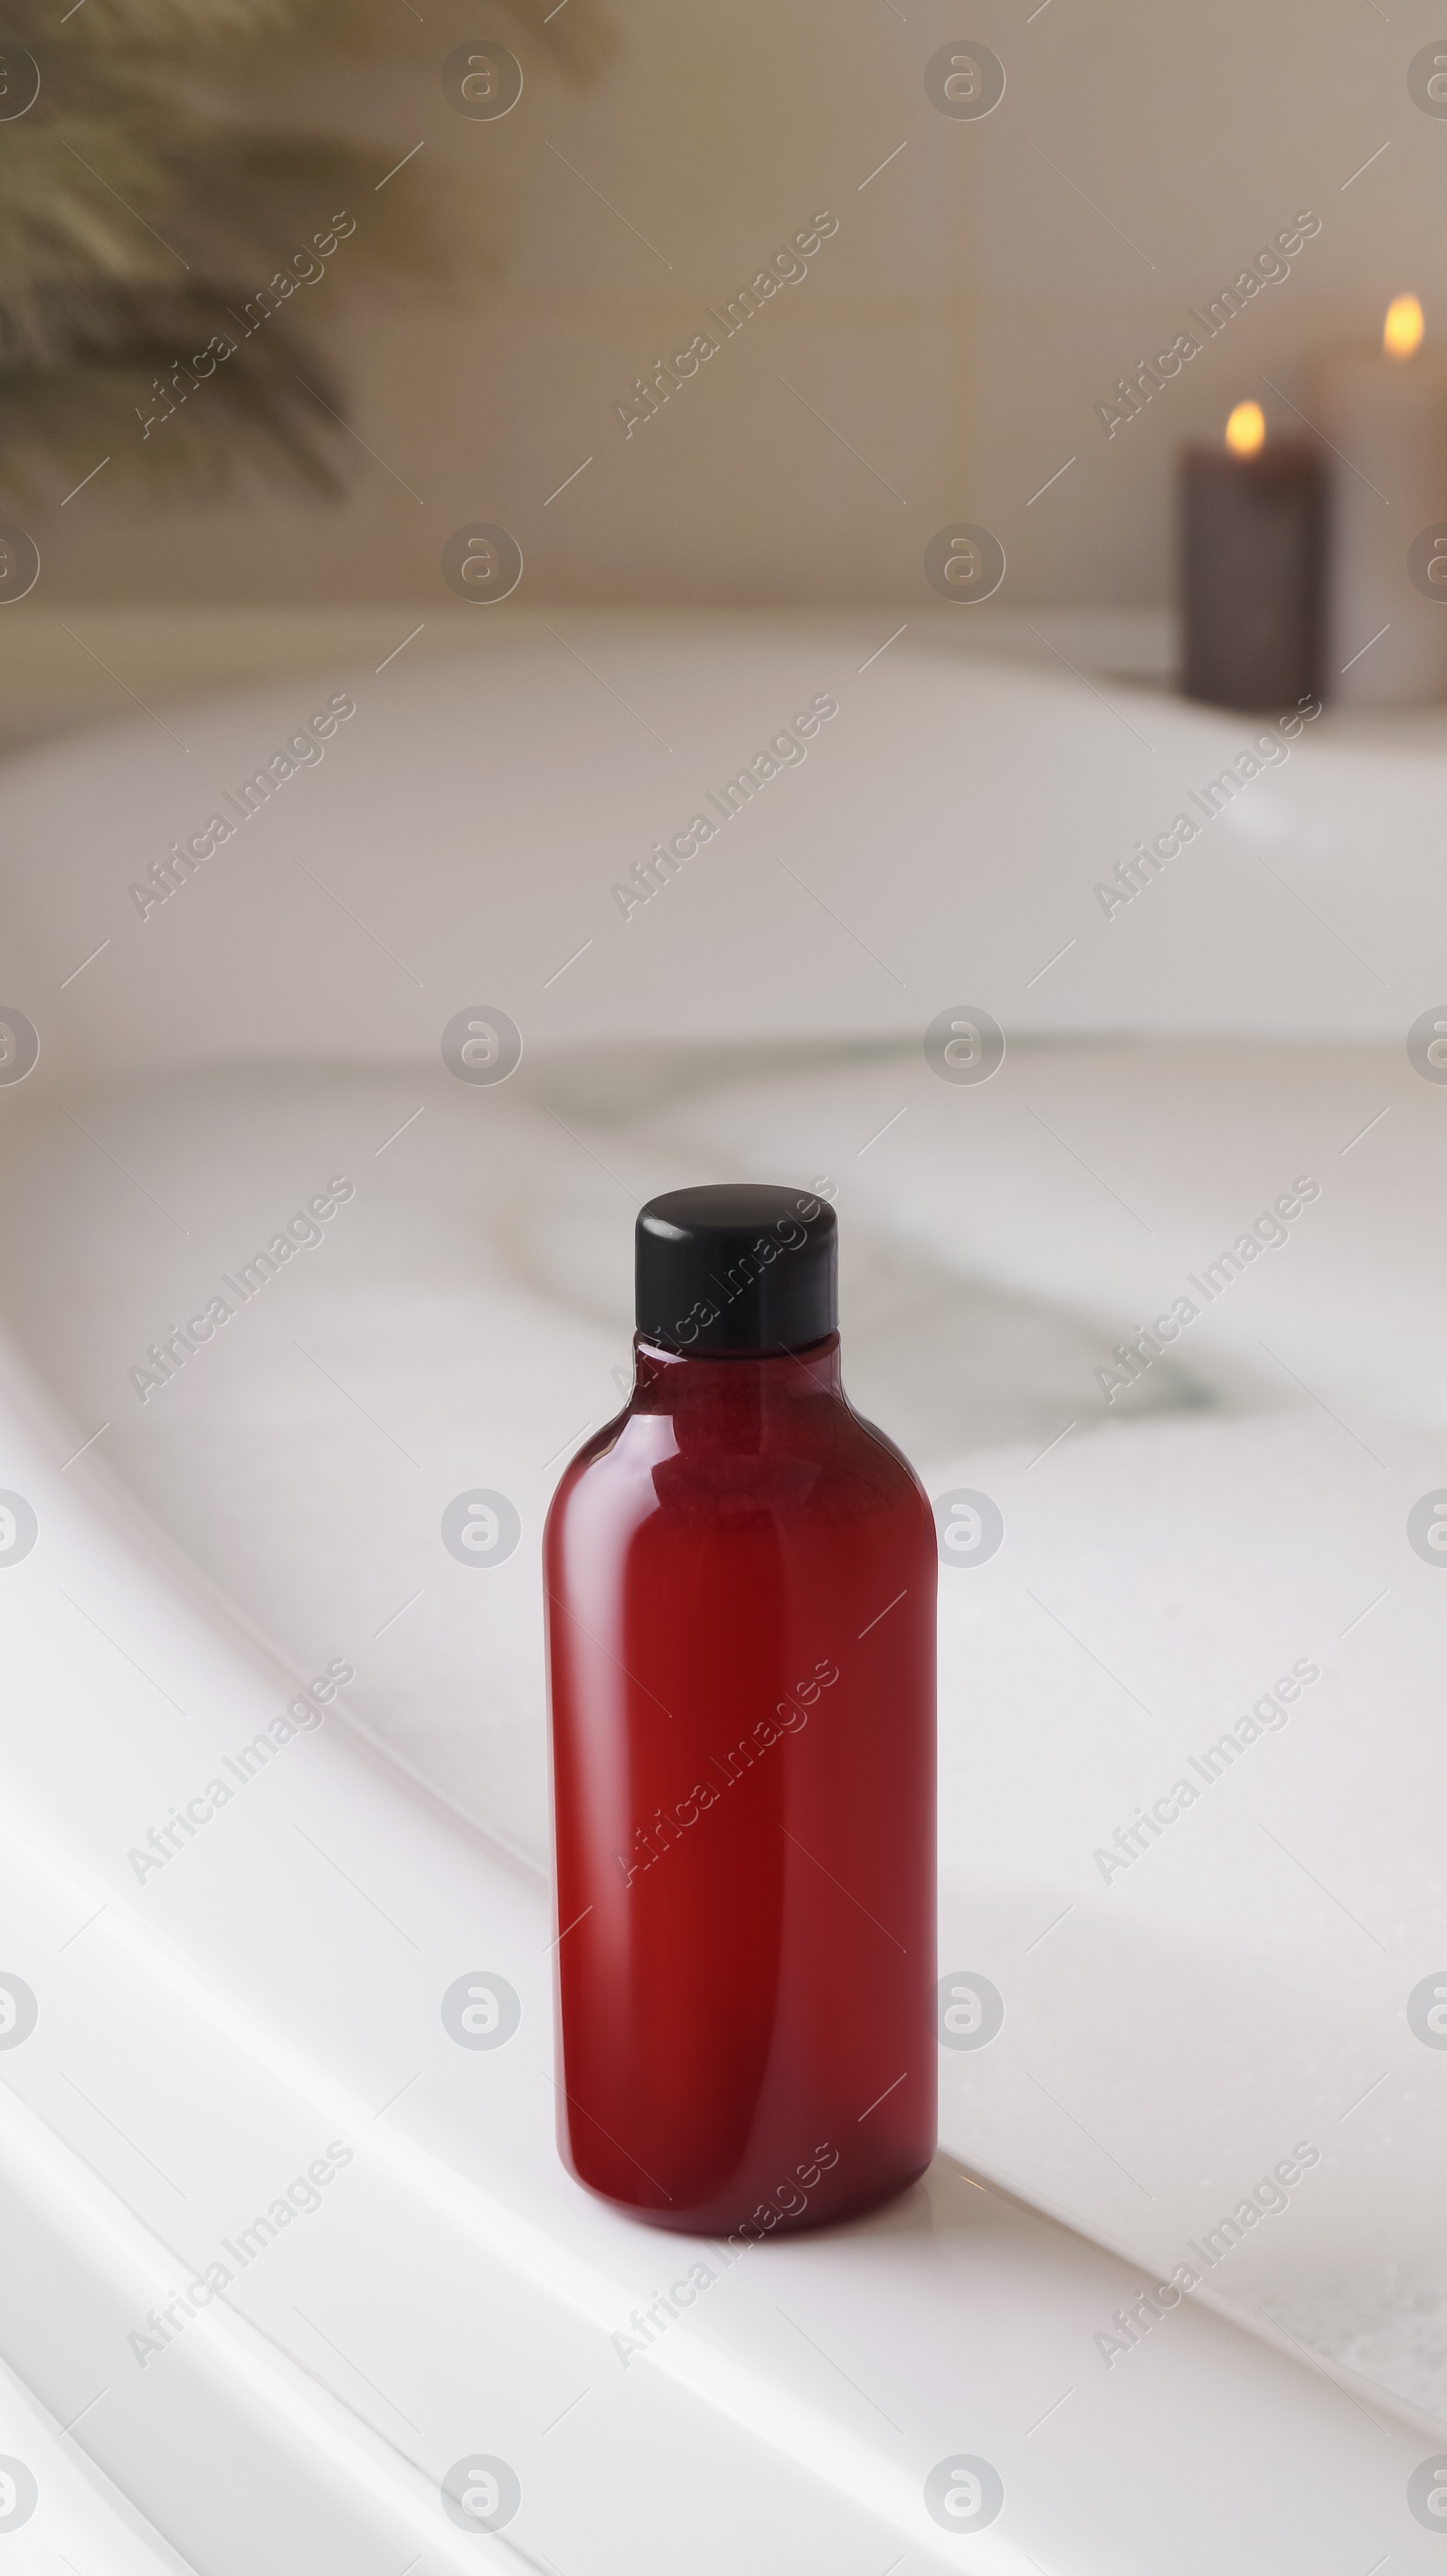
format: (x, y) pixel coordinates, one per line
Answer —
(1253, 547)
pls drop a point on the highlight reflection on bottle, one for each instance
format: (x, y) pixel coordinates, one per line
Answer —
(740, 1580)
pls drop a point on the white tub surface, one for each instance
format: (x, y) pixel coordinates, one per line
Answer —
(1169, 2036)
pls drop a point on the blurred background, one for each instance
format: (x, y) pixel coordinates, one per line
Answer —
(990, 279)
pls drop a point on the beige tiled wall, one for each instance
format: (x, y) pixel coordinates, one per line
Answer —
(941, 361)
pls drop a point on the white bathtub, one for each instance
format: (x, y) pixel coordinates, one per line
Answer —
(1175, 2027)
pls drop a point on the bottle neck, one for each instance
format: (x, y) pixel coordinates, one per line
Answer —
(757, 1390)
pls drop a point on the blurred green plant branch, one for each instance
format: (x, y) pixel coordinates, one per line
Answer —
(145, 200)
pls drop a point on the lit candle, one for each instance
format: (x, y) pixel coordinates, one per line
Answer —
(1384, 411)
(1253, 515)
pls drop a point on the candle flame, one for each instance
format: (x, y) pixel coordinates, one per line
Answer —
(1246, 429)
(1402, 332)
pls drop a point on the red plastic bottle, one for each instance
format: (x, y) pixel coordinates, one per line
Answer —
(740, 1581)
